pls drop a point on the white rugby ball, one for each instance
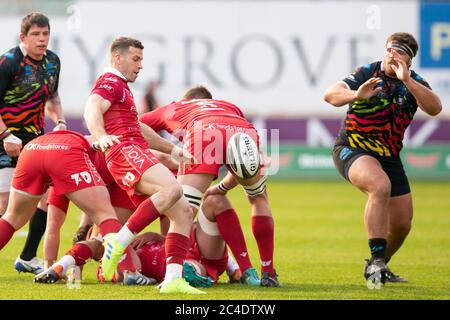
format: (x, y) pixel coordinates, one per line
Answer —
(242, 155)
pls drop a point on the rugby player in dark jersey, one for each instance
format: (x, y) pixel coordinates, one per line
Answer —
(383, 97)
(29, 75)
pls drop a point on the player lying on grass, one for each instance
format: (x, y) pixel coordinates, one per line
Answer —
(206, 259)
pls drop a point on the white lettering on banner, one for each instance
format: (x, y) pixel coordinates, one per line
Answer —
(133, 156)
(266, 70)
(440, 39)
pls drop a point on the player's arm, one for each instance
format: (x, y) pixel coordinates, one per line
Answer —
(427, 100)
(166, 159)
(93, 115)
(144, 238)
(341, 94)
(158, 143)
(11, 143)
(227, 183)
(54, 110)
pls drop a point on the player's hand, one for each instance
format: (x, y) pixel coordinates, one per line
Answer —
(107, 141)
(144, 238)
(180, 155)
(12, 145)
(212, 191)
(401, 69)
(368, 89)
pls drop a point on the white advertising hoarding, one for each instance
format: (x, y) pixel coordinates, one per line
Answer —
(269, 57)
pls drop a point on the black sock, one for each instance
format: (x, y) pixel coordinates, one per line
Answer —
(36, 230)
(378, 248)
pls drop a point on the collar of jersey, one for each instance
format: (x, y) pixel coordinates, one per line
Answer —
(115, 72)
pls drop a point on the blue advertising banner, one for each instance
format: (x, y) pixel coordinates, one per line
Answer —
(435, 35)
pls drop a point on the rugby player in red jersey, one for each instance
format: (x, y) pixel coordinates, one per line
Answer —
(205, 126)
(75, 176)
(111, 117)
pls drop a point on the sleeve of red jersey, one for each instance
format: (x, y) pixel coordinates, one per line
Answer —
(108, 90)
(154, 119)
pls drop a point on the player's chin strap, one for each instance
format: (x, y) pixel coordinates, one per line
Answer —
(193, 195)
(257, 188)
(207, 226)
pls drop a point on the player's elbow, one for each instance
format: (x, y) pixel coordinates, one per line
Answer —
(435, 110)
(330, 97)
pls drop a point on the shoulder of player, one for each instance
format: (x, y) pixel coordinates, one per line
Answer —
(11, 58)
(370, 67)
(52, 56)
(416, 76)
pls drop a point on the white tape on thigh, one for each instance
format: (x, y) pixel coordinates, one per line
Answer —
(207, 226)
(193, 195)
(257, 188)
(6, 175)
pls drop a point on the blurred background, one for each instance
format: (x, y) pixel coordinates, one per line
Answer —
(274, 59)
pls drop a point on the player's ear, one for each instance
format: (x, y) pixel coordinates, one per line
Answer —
(22, 37)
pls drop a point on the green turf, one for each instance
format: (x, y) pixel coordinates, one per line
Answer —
(320, 246)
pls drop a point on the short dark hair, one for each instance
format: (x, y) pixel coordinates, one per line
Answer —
(405, 38)
(34, 18)
(124, 43)
(198, 92)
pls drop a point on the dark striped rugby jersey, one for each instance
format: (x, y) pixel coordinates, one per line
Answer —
(25, 87)
(378, 124)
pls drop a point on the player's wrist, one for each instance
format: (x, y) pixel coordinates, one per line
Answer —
(223, 187)
(5, 133)
(61, 121)
(10, 138)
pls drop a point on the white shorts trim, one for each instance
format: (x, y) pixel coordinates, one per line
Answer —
(6, 175)
(209, 227)
(34, 196)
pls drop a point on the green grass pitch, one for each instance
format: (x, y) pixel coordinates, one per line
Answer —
(320, 246)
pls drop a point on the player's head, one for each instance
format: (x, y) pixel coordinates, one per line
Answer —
(400, 45)
(198, 92)
(35, 34)
(126, 56)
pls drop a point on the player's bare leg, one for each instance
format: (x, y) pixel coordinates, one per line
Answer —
(55, 220)
(400, 219)
(20, 210)
(368, 176)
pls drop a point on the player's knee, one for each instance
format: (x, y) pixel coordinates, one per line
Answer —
(381, 190)
(215, 204)
(173, 193)
(3, 205)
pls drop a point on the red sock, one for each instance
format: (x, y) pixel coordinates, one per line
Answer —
(6, 232)
(176, 246)
(109, 226)
(230, 229)
(127, 263)
(145, 214)
(81, 253)
(262, 227)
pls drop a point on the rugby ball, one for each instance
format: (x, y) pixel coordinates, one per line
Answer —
(243, 155)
